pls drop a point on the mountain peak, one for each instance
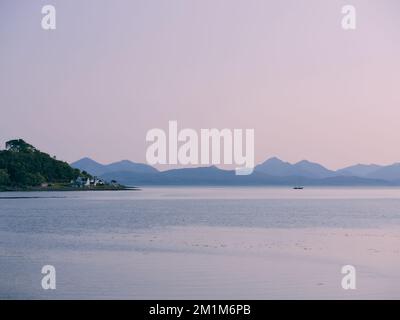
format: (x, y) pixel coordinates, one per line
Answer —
(124, 162)
(98, 169)
(359, 170)
(85, 159)
(305, 162)
(89, 165)
(276, 167)
(274, 160)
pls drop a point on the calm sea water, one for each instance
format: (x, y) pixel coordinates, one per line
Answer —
(90, 236)
(77, 212)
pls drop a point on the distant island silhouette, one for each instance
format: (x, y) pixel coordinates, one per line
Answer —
(272, 172)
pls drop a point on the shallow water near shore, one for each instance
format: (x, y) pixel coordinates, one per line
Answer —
(259, 243)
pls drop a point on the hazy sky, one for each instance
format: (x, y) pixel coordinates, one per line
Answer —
(112, 70)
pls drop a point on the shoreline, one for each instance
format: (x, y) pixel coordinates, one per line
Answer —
(40, 189)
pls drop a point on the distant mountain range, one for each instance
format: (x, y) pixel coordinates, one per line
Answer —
(307, 169)
(98, 169)
(271, 172)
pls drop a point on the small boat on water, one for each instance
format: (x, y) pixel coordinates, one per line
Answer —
(298, 188)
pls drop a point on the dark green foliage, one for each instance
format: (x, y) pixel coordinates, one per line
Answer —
(23, 165)
(4, 177)
(84, 174)
(19, 145)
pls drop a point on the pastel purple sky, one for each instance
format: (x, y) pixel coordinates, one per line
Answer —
(115, 69)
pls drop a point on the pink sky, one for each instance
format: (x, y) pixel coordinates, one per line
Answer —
(112, 70)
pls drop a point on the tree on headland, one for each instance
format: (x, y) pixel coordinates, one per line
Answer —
(19, 145)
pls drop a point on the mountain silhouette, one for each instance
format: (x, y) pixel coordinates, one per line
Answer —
(98, 169)
(389, 173)
(272, 172)
(304, 168)
(359, 170)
